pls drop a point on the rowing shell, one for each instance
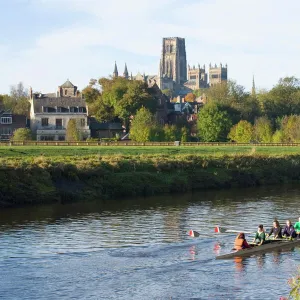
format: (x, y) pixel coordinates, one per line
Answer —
(283, 244)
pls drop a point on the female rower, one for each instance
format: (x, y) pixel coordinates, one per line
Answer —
(240, 242)
(297, 227)
(289, 230)
(276, 230)
(260, 235)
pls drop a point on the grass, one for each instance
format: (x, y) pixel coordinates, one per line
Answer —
(59, 151)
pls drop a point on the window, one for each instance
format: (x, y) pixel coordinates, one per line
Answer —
(82, 122)
(66, 92)
(214, 76)
(6, 131)
(61, 138)
(193, 77)
(58, 109)
(6, 120)
(45, 109)
(82, 109)
(58, 123)
(45, 122)
(47, 138)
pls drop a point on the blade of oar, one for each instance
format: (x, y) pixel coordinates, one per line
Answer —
(194, 233)
(219, 229)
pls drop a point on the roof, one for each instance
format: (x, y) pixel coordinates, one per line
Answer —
(66, 102)
(67, 84)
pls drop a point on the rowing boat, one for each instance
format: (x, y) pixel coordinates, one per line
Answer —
(276, 244)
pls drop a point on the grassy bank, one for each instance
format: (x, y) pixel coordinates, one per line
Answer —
(30, 179)
(54, 151)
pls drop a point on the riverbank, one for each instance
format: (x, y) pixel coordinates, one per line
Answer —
(33, 180)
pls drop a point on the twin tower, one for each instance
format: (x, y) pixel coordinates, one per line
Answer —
(173, 69)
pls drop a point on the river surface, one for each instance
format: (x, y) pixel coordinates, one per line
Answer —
(140, 249)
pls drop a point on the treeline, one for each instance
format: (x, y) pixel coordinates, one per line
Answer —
(263, 116)
(16, 101)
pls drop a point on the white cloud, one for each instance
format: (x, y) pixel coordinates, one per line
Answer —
(252, 36)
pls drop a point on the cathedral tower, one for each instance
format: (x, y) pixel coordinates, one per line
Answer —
(173, 60)
(115, 73)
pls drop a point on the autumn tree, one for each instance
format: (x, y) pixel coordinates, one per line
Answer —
(241, 132)
(190, 97)
(263, 131)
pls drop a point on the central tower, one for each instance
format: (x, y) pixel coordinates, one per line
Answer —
(173, 60)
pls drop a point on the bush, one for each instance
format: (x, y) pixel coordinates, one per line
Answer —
(23, 134)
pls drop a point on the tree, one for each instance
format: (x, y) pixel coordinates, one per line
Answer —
(22, 134)
(184, 134)
(72, 133)
(17, 100)
(241, 132)
(120, 98)
(291, 128)
(190, 97)
(213, 123)
(141, 125)
(263, 130)
(171, 133)
(278, 137)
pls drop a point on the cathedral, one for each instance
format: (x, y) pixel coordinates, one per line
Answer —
(175, 75)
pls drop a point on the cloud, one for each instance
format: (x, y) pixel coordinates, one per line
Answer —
(252, 36)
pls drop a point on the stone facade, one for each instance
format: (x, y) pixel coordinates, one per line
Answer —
(217, 74)
(197, 78)
(173, 65)
(50, 113)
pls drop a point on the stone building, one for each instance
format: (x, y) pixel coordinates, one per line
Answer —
(197, 78)
(217, 74)
(173, 65)
(50, 113)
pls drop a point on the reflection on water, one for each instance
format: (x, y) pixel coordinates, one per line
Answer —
(139, 248)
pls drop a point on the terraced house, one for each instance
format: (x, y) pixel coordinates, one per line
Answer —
(50, 113)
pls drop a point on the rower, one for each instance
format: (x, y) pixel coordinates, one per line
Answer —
(276, 230)
(240, 242)
(297, 227)
(289, 230)
(260, 235)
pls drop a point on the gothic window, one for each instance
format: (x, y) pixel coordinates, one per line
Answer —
(66, 92)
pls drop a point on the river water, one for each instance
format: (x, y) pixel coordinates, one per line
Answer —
(140, 249)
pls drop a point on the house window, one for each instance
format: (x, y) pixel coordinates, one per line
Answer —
(45, 109)
(45, 122)
(73, 109)
(58, 109)
(58, 123)
(6, 131)
(61, 138)
(6, 120)
(82, 122)
(47, 138)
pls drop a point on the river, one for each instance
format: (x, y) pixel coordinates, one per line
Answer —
(140, 249)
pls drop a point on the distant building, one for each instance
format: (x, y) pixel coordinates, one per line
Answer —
(197, 78)
(10, 122)
(217, 74)
(50, 113)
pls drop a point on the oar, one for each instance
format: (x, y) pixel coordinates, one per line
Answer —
(224, 230)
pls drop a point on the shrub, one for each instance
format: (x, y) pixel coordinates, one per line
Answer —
(23, 134)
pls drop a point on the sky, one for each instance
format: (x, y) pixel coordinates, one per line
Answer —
(45, 42)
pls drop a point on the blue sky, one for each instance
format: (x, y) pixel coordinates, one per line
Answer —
(45, 42)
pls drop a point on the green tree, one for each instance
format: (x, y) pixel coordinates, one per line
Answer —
(241, 132)
(291, 128)
(120, 98)
(72, 133)
(171, 133)
(22, 134)
(278, 137)
(17, 100)
(213, 123)
(263, 131)
(142, 125)
(184, 134)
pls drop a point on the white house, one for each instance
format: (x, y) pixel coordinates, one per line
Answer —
(50, 113)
